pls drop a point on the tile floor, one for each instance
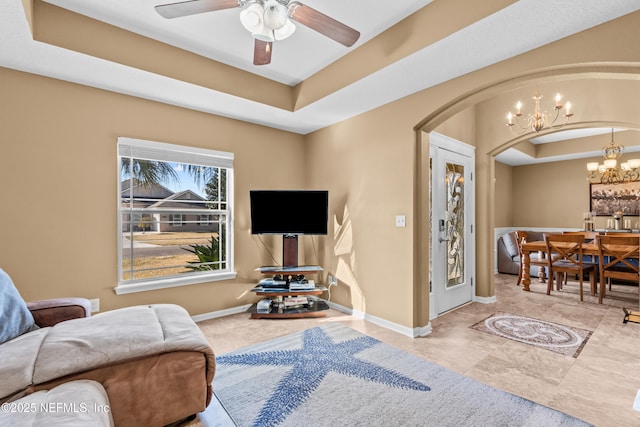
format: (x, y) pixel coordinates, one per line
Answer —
(599, 386)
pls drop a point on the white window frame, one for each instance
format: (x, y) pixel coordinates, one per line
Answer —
(177, 220)
(159, 151)
(204, 219)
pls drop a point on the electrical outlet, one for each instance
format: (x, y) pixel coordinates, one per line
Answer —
(95, 304)
(333, 280)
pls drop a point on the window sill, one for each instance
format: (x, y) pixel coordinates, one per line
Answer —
(150, 285)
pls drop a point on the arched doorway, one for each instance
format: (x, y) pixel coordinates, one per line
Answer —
(600, 99)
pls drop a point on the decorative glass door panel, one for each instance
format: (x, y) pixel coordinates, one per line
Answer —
(454, 184)
(451, 264)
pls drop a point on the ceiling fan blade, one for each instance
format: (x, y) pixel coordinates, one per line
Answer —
(192, 7)
(262, 52)
(323, 24)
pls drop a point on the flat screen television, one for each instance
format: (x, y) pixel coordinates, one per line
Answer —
(289, 211)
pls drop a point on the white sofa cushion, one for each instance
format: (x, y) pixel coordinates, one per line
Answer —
(17, 360)
(79, 403)
(114, 336)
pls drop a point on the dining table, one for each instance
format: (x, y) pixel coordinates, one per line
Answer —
(540, 246)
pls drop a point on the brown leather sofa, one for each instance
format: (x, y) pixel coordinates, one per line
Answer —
(508, 255)
(153, 361)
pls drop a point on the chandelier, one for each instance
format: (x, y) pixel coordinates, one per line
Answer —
(538, 120)
(609, 172)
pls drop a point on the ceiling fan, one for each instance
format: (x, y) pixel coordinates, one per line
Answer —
(267, 20)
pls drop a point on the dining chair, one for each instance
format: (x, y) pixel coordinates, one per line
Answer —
(618, 255)
(589, 236)
(564, 256)
(534, 258)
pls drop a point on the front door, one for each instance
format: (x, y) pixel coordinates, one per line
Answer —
(452, 222)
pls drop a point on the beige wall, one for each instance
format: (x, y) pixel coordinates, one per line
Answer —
(369, 173)
(58, 163)
(461, 126)
(383, 282)
(504, 195)
(552, 194)
(58, 181)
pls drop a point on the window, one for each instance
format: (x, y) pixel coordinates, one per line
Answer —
(204, 220)
(175, 215)
(176, 220)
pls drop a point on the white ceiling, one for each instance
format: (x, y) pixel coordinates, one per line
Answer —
(563, 135)
(220, 36)
(514, 157)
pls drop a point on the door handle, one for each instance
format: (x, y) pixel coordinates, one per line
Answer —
(440, 239)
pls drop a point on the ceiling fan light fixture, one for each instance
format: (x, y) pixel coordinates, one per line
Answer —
(285, 31)
(275, 15)
(252, 18)
(266, 35)
(267, 21)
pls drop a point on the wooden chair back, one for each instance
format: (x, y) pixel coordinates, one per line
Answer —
(618, 255)
(564, 256)
(589, 236)
(564, 247)
(521, 238)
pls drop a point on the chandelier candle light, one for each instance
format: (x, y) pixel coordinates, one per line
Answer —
(609, 172)
(538, 120)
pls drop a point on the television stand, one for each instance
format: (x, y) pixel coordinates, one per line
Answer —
(290, 250)
(279, 309)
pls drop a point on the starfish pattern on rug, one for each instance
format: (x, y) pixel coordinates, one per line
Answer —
(318, 356)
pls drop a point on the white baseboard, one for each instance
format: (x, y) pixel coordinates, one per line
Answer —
(409, 332)
(421, 331)
(485, 300)
(220, 313)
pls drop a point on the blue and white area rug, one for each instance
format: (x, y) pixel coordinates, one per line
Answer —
(551, 336)
(335, 376)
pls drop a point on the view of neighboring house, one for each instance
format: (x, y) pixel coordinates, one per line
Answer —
(155, 208)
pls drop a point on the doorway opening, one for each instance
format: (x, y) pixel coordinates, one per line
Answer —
(452, 222)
